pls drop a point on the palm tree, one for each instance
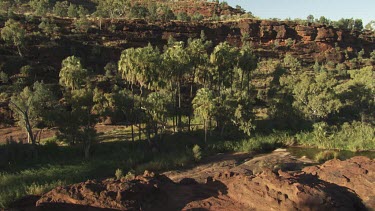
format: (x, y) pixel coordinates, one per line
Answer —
(72, 74)
(204, 106)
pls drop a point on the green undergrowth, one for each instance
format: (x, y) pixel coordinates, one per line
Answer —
(354, 136)
(62, 165)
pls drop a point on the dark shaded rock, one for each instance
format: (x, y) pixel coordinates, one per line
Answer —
(357, 174)
(326, 35)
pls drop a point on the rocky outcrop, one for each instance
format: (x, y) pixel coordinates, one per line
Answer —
(308, 41)
(357, 174)
(227, 190)
(269, 38)
(288, 191)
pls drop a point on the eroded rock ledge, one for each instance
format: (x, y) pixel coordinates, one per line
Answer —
(334, 185)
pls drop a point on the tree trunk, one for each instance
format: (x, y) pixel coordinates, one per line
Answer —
(132, 112)
(222, 131)
(19, 51)
(40, 135)
(87, 150)
(210, 125)
(189, 124)
(139, 120)
(132, 127)
(30, 135)
(242, 76)
(175, 112)
(205, 130)
(179, 107)
(248, 82)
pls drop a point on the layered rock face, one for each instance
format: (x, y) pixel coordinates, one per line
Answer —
(335, 185)
(270, 39)
(252, 30)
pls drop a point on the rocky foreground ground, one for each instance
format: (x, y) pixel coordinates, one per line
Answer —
(275, 181)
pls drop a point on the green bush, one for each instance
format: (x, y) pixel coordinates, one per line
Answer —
(355, 136)
(197, 153)
(197, 17)
(326, 155)
(119, 174)
(183, 16)
(61, 8)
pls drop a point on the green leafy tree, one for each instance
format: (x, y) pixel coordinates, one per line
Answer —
(310, 19)
(48, 27)
(358, 95)
(349, 24)
(14, 34)
(315, 97)
(292, 64)
(72, 74)
(77, 125)
(325, 21)
(152, 10)
(372, 56)
(197, 17)
(139, 67)
(82, 24)
(61, 8)
(247, 62)
(138, 11)
(183, 16)
(72, 11)
(82, 11)
(158, 107)
(5, 5)
(176, 65)
(204, 107)
(4, 78)
(223, 60)
(198, 53)
(165, 13)
(40, 7)
(121, 101)
(112, 8)
(370, 26)
(31, 107)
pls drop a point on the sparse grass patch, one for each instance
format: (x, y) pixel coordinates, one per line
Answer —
(326, 155)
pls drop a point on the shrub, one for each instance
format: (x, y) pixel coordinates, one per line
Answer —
(183, 16)
(4, 77)
(72, 11)
(197, 17)
(326, 155)
(119, 174)
(130, 175)
(48, 27)
(61, 8)
(289, 42)
(36, 189)
(355, 136)
(197, 152)
(82, 25)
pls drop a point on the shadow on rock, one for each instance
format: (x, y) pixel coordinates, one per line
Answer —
(147, 192)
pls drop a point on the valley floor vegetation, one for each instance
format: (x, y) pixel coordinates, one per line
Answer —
(178, 103)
